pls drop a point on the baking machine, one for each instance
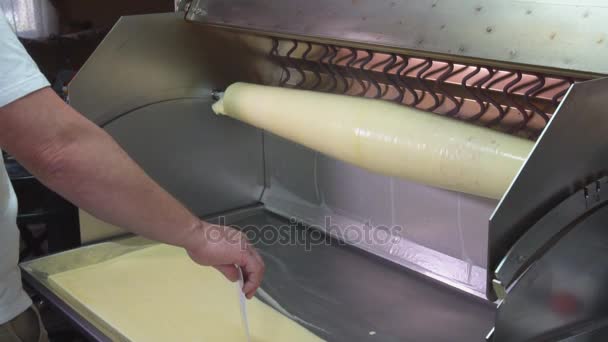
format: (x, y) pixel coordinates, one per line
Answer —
(422, 264)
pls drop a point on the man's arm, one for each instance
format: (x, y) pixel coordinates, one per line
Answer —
(81, 162)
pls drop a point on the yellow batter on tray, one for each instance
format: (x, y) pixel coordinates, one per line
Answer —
(159, 294)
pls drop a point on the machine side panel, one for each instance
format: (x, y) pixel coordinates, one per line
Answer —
(563, 294)
(571, 151)
(191, 152)
(149, 85)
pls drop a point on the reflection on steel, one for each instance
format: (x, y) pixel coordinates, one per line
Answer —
(507, 100)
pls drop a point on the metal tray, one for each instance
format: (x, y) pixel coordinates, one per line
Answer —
(336, 291)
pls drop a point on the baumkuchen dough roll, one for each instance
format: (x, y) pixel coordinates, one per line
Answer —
(384, 137)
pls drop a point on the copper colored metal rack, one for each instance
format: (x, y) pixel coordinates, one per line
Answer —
(512, 101)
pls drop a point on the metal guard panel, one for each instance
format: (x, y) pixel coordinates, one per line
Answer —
(561, 296)
(571, 152)
(156, 58)
(149, 85)
(549, 229)
(565, 34)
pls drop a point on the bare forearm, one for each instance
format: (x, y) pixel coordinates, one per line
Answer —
(96, 174)
(77, 159)
(85, 165)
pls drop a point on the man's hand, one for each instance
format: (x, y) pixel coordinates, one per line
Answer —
(223, 248)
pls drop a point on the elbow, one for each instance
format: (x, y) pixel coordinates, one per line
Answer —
(47, 137)
(52, 163)
(67, 162)
(60, 159)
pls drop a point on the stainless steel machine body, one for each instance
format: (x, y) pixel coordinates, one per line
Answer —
(521, 67)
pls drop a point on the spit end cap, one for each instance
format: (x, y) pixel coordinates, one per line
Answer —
(218, 107)
(217, 94)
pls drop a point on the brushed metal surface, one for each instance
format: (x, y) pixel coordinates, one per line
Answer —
(564, 34)
(342, 294)
(597, 335)
(149, 84)
(539, 238)
(194, 154)
(563, 294)
(438, 233)
(148, 59)
(571, 151)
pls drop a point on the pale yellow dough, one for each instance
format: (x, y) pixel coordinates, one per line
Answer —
(158, 294)
(384, 137)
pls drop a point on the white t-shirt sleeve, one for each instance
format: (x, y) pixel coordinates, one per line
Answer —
(19, 75)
